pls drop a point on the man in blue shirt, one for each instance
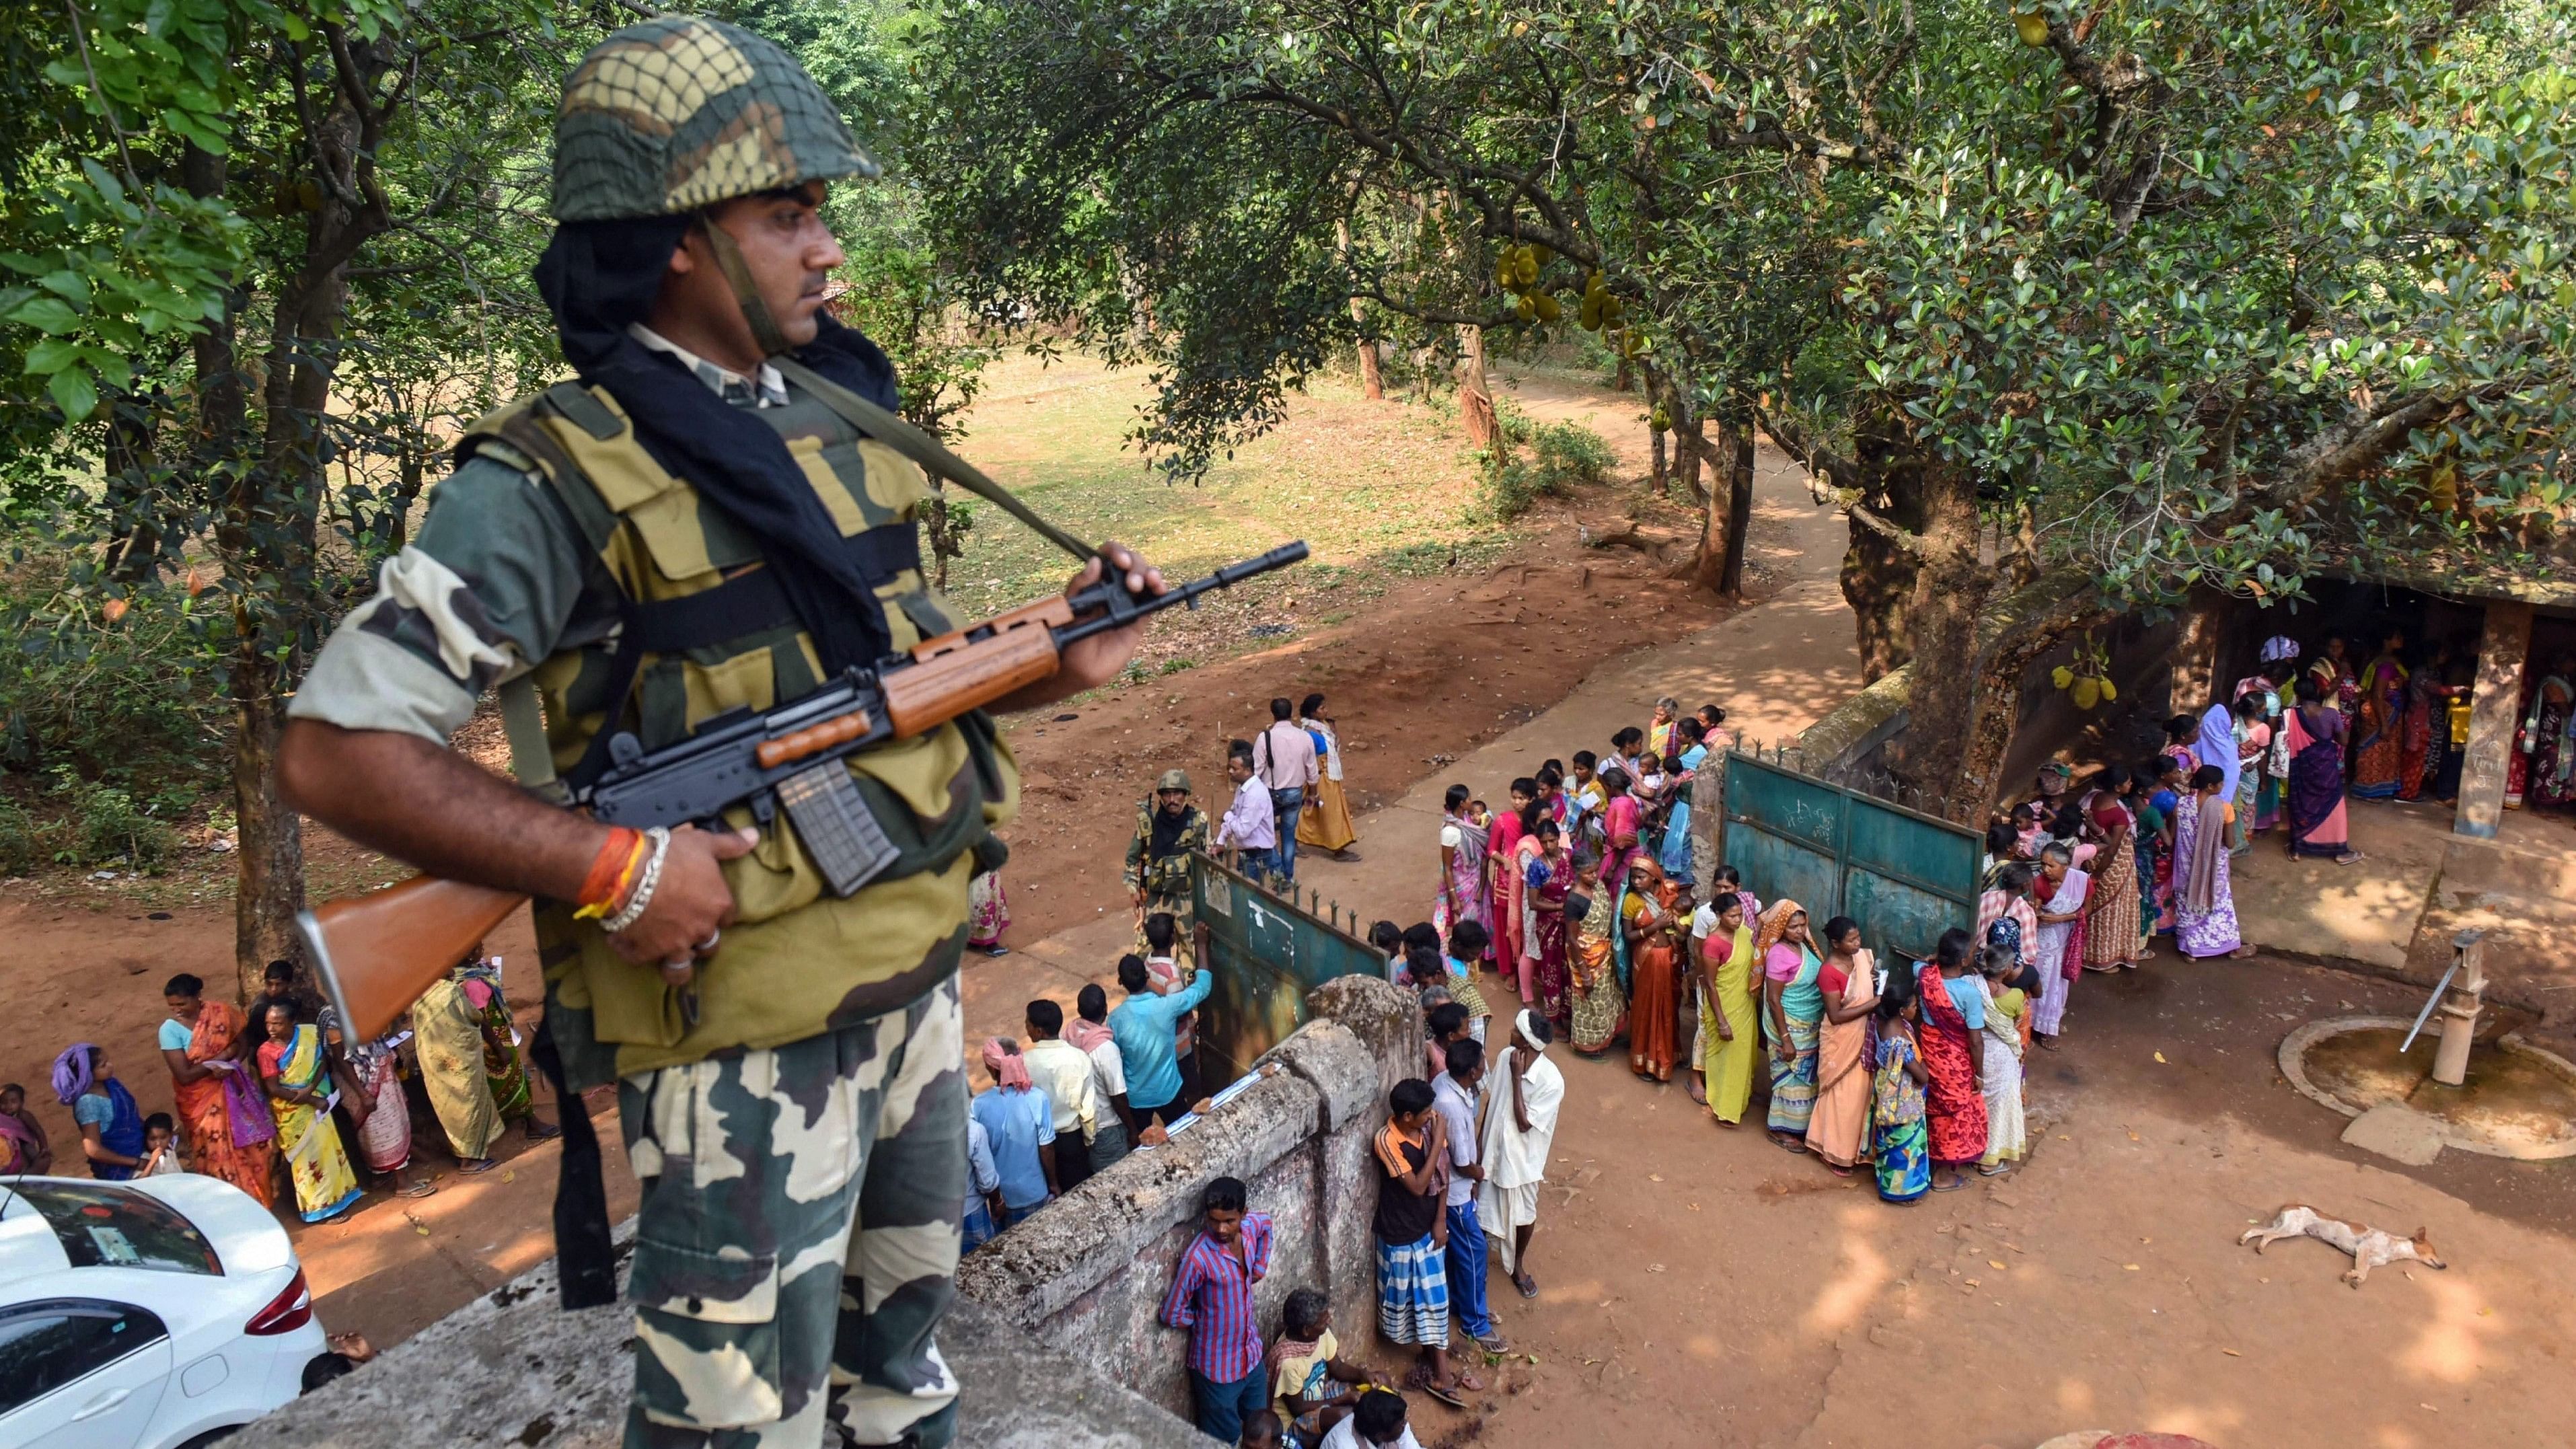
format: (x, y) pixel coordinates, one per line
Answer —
(1019, 1120)
(1142, 1026)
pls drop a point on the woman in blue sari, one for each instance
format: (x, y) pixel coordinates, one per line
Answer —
(111, 1126)
(1675, 856)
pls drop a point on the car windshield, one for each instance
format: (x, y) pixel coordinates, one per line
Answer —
(114, 1227)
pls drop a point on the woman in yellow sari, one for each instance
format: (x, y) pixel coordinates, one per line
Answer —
(1730, 1032)
(1595, 1002)
(298, 1078)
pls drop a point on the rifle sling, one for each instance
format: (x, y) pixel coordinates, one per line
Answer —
(922, 448)
(585, 1260)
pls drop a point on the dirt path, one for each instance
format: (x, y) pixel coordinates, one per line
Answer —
(1700, 1285)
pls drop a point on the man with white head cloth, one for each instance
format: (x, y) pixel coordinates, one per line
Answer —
(1520, 1109)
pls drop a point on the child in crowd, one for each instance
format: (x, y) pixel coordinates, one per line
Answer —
(1211, 1296)
(23, 1146)
(1307, 1375)
(1412, 1237)
(1261, 1431)
(1468, 941)
(1445, 1023)
(161, 1156)
(2007, 1031)
(1378, 1423)
(1168, 967)
(1898, 1138)
(1388, 938)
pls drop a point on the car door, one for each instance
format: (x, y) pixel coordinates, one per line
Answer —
(80, 1373)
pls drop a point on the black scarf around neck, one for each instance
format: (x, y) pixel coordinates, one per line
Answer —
(597, 278)
(1167, 830)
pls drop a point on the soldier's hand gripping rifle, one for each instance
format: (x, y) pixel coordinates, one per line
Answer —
(376, 953)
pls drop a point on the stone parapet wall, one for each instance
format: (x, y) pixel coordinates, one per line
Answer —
(1088, 1275)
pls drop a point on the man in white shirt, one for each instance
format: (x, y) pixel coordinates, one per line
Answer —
(1251, 824)
(1114, 1129)
(1453, 1096)
(1063, 1072)
(1284, 757)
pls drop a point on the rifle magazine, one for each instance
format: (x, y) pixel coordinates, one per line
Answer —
(839, 831)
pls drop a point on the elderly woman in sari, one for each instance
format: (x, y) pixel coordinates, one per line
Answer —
(2204, 904)
(223, 1115)
(1545, 883)
(1675, 854)
(1463, 894)
(297, 1073)
(1792, 1005)
(2063, 894)
(2113, 939)
(1727, 1009)
(2007, 1133)
(2378, 732)
(1654, 913)
(1951, 1038)
(1838, 1129)
(1594, 999)
(2315, 800)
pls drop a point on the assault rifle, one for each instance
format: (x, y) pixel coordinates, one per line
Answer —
(376, 953)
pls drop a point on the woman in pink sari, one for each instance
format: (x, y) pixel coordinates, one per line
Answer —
(1503, 870)
(1548, 876)
(1620, 824)
(1463, 895)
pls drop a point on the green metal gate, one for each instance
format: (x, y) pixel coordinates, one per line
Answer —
(1905, 876)
(1267, 952)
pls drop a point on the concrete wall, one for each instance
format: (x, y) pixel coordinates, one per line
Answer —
(512, 1369)
(1088, 1275)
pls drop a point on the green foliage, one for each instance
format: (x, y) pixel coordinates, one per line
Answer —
(1562, 457)
(22, 842)
(135, 702)
(106, 825)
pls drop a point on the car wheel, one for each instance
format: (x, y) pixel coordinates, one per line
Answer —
(212, 1436)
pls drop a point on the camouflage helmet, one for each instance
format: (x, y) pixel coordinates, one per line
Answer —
(1173, 780)
(681, 112)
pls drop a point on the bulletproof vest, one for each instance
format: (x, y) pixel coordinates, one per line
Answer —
(704, 629)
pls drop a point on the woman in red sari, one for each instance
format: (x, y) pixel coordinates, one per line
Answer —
(1948, 1042)
(201, 1042)
(1503, 857)
(1548, 876)
(1653, 915)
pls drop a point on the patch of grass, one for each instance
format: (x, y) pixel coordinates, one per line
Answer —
(1562, 457)
(1373, 488)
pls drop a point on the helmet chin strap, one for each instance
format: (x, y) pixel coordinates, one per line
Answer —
(737, 274)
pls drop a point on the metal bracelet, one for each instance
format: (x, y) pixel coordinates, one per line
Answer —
(633, 911)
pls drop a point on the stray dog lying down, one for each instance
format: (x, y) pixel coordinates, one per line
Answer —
(2370, 1248)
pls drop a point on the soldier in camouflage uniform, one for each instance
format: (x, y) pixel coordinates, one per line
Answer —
(1158, 859)
(683, 532)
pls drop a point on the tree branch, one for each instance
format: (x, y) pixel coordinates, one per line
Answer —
(1812, 455)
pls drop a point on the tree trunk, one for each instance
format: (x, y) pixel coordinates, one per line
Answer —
(1739, 511)
(1996, 704)
(1625, 379)
(1372, 377)
(133, 485)
(1950, 588)
(1878, 576)
(1475, 397)
(1659, 472)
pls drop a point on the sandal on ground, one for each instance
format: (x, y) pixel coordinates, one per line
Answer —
(478, 1164)
(1952, 1186)
(1467, 1382)
(418, 1189)
(1527, 1284)
(1447, 1394)
(1788, 1144)
(1993, 1169)
(546, 1133)
(1494, 1343)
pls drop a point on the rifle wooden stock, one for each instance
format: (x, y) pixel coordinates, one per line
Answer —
(376, 953)
(953, 674)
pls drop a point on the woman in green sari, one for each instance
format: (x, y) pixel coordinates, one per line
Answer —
(1792, 1005)
(1727, 1011)
(1593, 993)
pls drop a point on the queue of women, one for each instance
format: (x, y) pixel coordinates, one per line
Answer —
(1911, 1071)
(275, 1101)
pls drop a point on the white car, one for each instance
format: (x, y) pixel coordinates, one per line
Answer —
(152, 1314)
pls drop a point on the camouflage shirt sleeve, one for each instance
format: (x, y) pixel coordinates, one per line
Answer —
(496, 581)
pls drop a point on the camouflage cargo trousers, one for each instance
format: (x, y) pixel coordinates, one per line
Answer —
(798, 1238)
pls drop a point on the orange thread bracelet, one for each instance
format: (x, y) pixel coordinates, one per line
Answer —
(610, 871)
